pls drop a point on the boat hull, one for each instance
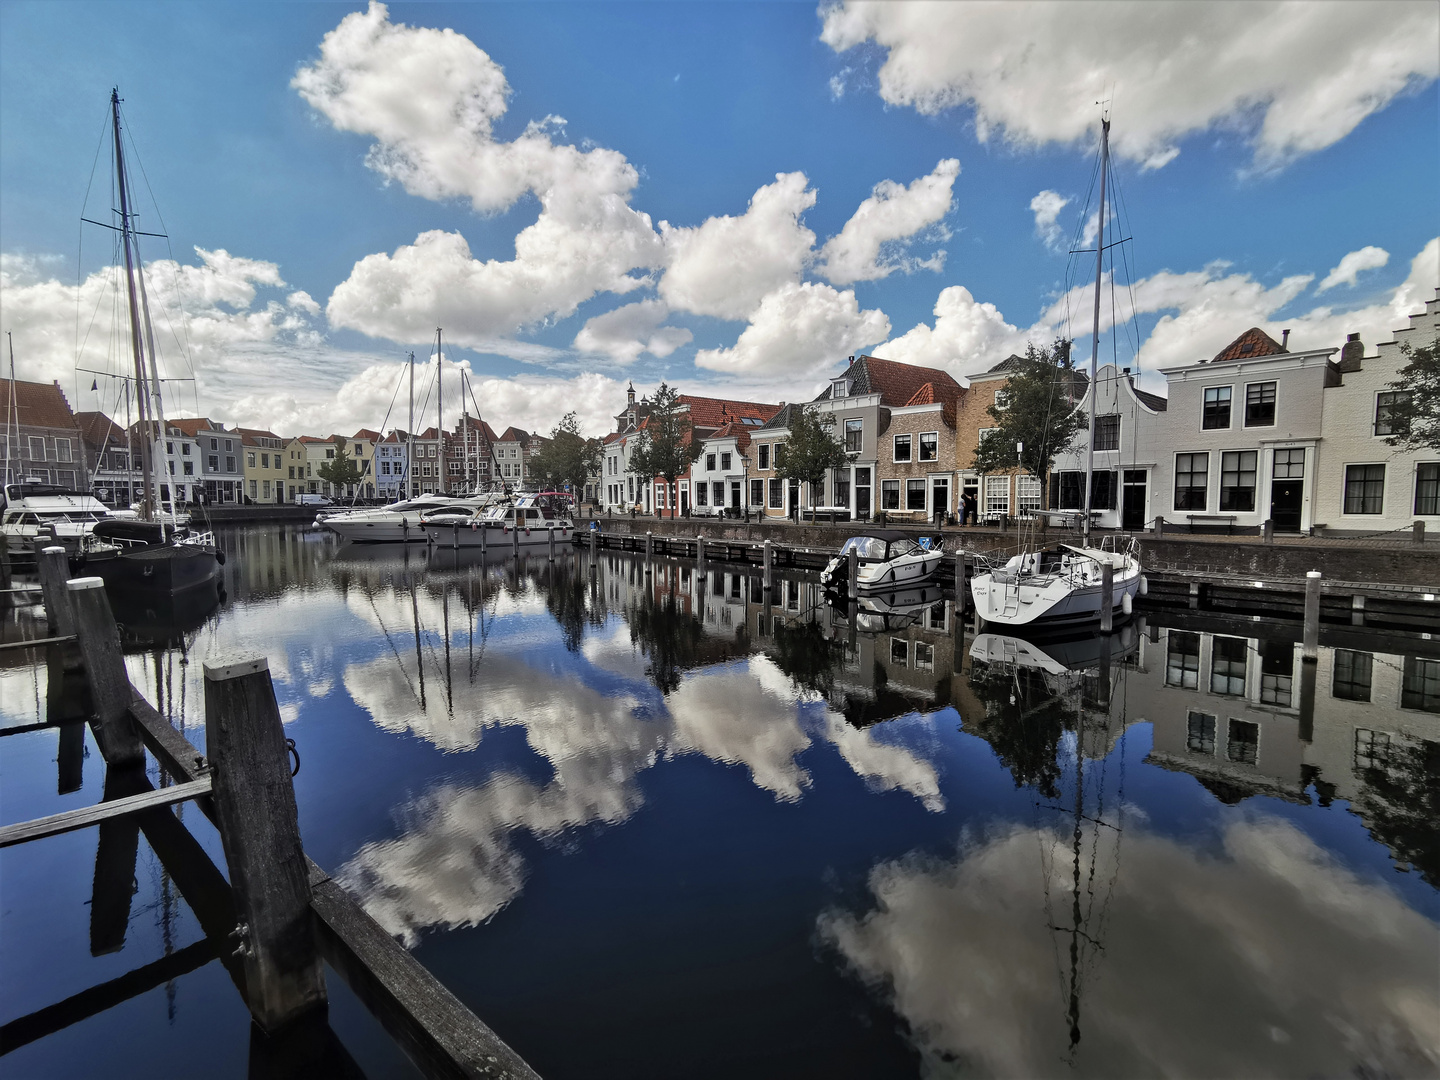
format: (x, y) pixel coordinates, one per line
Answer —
(171, 568)
(495, 536)
(404, 530)
(1024, 604)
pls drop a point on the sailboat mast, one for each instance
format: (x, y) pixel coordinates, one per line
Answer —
(10, 420)
(147, 475)
(1095, 335)
(439, 414)
(410, 432)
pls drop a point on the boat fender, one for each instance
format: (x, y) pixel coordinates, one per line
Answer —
(527, 530)
(1144, 586)
(1126, 604)
(220, 557)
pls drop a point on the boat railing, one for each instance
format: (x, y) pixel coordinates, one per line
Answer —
(199, 539)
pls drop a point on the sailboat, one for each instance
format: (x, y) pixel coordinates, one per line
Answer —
(153, 552)
(1065, 587)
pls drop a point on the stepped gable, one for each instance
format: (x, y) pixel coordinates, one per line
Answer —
(1253, 342)
(897, 383)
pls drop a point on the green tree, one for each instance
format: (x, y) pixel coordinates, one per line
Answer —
(339, 471)
(664, 446)
(1038, 412)
(1415, 411)
(568, 458)
(811, 450)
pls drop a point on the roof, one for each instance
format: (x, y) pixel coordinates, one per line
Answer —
(366, 433)
(514, 434)
(248, 436)
(98, 430)
(190, 425)
(734, 430)
(781, 420)
(1253, 342)
(714, 412)
(897, 383)
(310, 439)
(40, 405)
(1154, 401)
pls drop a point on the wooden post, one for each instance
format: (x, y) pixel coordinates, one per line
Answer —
(853, 573)
(962, 585)
(54, 567)
(699, 553)
(1107, 598)
(455, 536)
(649, 543)
(515, 538)
(110, 690)
(767, 561)
(1194, 601)
(1418, 532)
(551, 539)
(484, 538)
(594, 543)
(255, 813)
(1267, 531)
(1307, 700)
(1357, 610)
(1312, 615)
(1159, 526)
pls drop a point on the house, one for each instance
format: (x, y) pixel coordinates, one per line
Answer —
(1363, 483)
(767, 450)
(42, 440)
(720, 474)
(220, 469)
(264, 465)
(299, 476)
(513, 448)
(176, 460)
(111, 471)
(390, 460)
(469, 456)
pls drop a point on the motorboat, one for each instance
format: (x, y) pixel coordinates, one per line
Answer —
(895, 609)
(55, 515)
(529, 521)
(1058, 586)
(397, 522)
(888, 559)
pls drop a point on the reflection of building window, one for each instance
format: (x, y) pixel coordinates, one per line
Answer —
(936, 617)
(1277, 668)
(1244, 742)
(1182, 661)
(1227, 665)
(1420, 687)
(1352, 675)
(1372, 749)
(899, 652)
(1200, 733)
(924, 656)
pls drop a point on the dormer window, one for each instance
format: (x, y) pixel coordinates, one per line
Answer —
(840, 388)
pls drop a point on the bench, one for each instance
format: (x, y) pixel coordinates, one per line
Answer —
(1228, 520)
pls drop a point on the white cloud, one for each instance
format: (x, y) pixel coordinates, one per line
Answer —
(866, 248)
(1295, 77)
(1047, 206)
(626, 332)
(968, 335)
(724, 266)
(303, 301)
(430, 98)
(799, 330)
(1351, 266)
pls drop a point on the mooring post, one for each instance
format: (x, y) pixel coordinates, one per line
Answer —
(1312, 615)
(1107, 598)
(551, 541)
(1267, 531)
(853, 573)
(1194, 601)
(54, 567)
(515, 538)
(960, 585)
(1159, 526)
(110, 691)
(1307, 701)
(455, 536)
(767, 561)
(699, 552)
(255, 813)
(1418, 534)
(649, 543)
(484, 538)
(594, 542)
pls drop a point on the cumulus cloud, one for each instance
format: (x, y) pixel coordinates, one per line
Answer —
(626, 332)
(968, 335)
(966, 953)
(1046, 207)
(870, 245)
(1295, 78)
(799, 330)
(430, 99)
(725, 265)
(1350, 267)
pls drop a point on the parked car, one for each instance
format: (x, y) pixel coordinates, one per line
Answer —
(305, 499)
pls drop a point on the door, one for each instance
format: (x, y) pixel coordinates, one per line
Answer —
(735, 495)
(1287, 489)
(1132, 506)
(939, 496)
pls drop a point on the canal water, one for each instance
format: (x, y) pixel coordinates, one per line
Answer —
(649, 822)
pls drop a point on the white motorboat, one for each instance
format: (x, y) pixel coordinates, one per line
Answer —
(396, 523)
(59, 515)
(888, 559)
(529, 521)
(1056, 587)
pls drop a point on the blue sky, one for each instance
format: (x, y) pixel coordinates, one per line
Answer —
(739, 196)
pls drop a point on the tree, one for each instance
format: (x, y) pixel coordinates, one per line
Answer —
(339, 471)
(664, 446)
(811, 450)
(1414, 413)
(568, 458)
(1038, 411)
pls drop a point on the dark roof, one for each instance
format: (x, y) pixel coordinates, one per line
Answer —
(1155, 401)
(896, 383)
(781, 420)
(40, 405)
(1253, 342)
(1010, 363)
(98, 430)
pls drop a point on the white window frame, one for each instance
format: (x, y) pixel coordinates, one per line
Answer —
(997, 495)
(909, 443)
(920, 446)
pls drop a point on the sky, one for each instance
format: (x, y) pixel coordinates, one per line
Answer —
(730, 197)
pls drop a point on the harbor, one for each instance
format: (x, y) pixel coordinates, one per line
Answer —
(774, 821)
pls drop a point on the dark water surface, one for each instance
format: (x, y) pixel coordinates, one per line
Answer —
(654, 826)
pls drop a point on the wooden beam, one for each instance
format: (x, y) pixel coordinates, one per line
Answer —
(86, 816)
(110, 690)
(35, 643)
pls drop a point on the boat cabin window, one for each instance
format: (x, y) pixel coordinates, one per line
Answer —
(867, 547)
(532, 514)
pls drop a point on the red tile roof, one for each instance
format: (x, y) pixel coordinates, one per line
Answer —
(190, 425)
(712, 412)
(40, 405)
(740, 433)
(98, 430)
(366, 433)
(898, 384)
(1253, 342)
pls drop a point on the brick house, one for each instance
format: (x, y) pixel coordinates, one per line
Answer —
(41, 436)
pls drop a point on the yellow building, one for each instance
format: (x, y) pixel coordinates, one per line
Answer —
(264, 461)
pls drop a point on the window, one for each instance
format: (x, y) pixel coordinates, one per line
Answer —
(1182, 660)
(1244, 743)
(757, 492)
(1200, 733)
(763, 454)
(889, 494)
(1364, 489)
(924, 656)
(902, 448)
(1107, 432)
(1067, 490)
(1237, 479)
(214, 444)
(1227, 665)
(1372, 749)
(213, 463)
(724, 462)
(189, 468)
(1427, 487)
(384, 468)
(840, 388)
(62, 449)
(842, 489)
(292, 470)
(37, 449)
(1277, 669)
(454, 467)
(899, 652)
(170, 447)
(1217, 408)
(1103, 496)
(265, 461)
(359, 449)
(1002, 400)
(777, 494)
(709, 462)
(254, 488)
(1420, 685)
(997, 495)
(229, 445)
(719, 491)
(929, 446)
(702, 494)
(329, 453)
(915, 494)
(185, 449)
(250, 460)
(230, 464)
(1191, 477)
(1027, 493)
(1351, 681)
(1289, 465)
(854, 435)
(265, 489)
(1391, 412)
(1260, 405)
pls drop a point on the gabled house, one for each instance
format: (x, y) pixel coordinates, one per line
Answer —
(264, 465)
(221, 473)
(41, 438)
(106, 460)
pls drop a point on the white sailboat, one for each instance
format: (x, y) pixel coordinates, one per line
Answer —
(1064, 587)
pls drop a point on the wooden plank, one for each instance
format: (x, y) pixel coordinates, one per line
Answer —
(86, 816)
(176, 754)
(35, 643)
(110, 690)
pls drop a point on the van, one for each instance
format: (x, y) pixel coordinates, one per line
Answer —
(304, 499)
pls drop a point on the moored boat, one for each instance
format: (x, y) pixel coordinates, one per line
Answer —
(397, 522)
(888, 559)
(1056, 587)
(529, 521)
(54, 515)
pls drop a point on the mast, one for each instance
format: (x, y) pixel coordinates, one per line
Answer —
(147, 475)
(10, 419)
(410, 431)
(1095, 336)
(439, 414)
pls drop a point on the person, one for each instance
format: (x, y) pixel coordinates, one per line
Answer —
(967, 515)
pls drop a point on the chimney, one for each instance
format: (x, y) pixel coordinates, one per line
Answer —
(852, 360)
(1352, 352)
(1285, 339)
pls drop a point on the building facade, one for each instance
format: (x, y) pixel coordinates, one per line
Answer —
(264, 465)
(42, 440)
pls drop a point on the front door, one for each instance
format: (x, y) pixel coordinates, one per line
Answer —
(1132, 506)
(735, 494)
(939, 496)
(1287, 489)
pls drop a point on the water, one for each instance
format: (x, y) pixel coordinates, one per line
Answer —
(653, 826)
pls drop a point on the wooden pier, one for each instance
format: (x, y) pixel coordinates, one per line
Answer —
(278, 916)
